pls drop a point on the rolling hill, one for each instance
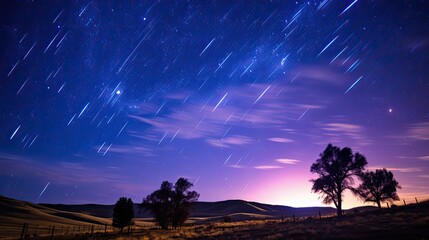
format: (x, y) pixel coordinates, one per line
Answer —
(14, 214)
(211, 209)
(16, 211)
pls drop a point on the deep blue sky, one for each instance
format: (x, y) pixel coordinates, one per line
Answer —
(101, 100)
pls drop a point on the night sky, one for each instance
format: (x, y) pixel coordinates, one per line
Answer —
(101, 100)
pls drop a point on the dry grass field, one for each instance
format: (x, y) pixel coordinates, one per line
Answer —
(407, 222)
(410, 222)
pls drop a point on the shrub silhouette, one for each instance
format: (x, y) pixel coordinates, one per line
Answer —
(123, 213)
(171, 206)
(336, 168)
(378, 186)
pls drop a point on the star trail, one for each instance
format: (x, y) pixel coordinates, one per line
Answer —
(107, 99)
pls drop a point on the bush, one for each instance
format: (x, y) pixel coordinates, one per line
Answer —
(123, 213)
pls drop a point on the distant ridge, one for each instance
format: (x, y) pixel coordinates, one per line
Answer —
(16, 211)
(212, 209)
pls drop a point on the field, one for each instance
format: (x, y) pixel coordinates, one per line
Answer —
(405, 222)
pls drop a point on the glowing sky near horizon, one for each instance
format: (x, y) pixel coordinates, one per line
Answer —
(102, 100)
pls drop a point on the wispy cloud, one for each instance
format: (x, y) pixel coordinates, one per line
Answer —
(350, 130)
(318, 75)
(426, 158)
(267, 167)
(287, 161)
(280, 140)
(419, 131)
(197, 120)
(235, 166)
(236, 140)
(423, 158)
(67, 173)
(397, 169)
(337, 131)
(127, 149)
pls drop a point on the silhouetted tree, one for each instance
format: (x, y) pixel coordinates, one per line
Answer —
(159, 204)
(378, 186)
(182, 201)
(336, 168)
(171, 207)
(123, 213)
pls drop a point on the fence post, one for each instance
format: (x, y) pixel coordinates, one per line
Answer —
(37, 228)
(24, 228)
(405, 204)
(92, 229)
(293, 217)
(52, 232)
(416, 200)
(105, 228)
(320, 215)
(387, 204)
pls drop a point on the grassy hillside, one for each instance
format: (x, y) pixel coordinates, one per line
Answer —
(15, 211)
(208, 209)
(409, 222)
(406, 222)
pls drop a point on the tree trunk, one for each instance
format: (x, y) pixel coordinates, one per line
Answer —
(339, 209)
(378, 203)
